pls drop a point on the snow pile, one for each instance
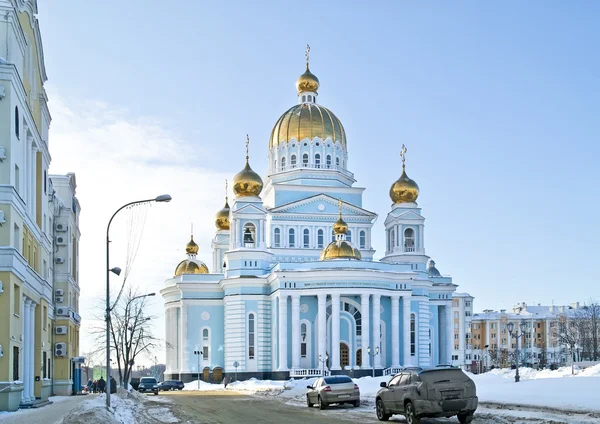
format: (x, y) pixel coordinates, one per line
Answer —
(251, 386)
(126, 408)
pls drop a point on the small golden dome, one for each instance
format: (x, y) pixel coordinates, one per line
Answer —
(247, 182)
(404, 190)
(307, 121)
(340, 249)
(340, 226)
(191, 248)
(307, 82)
(222, 217)
(191, 266)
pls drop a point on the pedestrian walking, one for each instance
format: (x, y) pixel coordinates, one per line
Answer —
(101, 385)
(113, 385)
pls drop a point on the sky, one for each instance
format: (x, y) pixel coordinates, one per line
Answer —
(497, 103)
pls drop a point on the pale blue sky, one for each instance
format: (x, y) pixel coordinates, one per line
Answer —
(497, 102)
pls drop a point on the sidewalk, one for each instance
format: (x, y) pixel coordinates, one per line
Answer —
(50, 414)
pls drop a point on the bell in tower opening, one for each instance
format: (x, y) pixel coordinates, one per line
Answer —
(249, 235)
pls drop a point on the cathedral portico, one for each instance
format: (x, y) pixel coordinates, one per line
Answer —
(295, 289)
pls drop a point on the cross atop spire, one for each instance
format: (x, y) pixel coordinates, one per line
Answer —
(306, 54)
(226, 198)
(403, 154)
(340, 203)
(192, 230)
(247, 143)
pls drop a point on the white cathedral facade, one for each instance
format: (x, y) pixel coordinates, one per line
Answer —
(294, 289)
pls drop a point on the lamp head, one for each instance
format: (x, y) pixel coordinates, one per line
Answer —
(163, 198)
(116, 270)
(368, 349)
(523, 326)
(511, 327)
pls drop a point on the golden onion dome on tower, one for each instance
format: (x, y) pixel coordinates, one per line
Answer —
(340, 248)
(247, 182)
(191, 248)
(222, 217)
(404, 190)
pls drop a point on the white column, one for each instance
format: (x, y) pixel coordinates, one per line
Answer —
(335, 331)
(395, 331)
(184, 368)
(31, 363)
(449, 332)
(322, 326)
(365, 336)
(377, 329)
(25, 349)
(296, 331)
(407, 360)
(283, 363)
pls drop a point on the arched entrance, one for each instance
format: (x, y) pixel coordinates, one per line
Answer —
(206, 374)
(344, 355)
(217, 375)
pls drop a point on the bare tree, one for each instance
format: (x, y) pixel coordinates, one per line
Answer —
(131, 333)
(590, 317)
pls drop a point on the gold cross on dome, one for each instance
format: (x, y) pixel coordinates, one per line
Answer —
(306, 54)
(225, 189)
(192, 229)
(340, 203)
(403, 153)
(247, 143)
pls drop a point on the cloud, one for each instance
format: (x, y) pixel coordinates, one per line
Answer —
(118, 158)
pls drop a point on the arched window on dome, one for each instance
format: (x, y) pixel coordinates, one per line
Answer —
(328, 161)
(337, 161)
(306, 238)
(283, 164)
(293, 161)
(303, 99)
(317, 160)
(362, 240)
(305, 159)
(292, 238)
(276, 237)
(309, 98)
(392, 239)
(409, 240)
(320, 239)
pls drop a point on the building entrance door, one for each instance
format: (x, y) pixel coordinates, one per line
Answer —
(344, 355)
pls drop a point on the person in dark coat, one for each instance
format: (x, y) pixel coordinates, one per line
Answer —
(95, 386)
(113, 385)
(101, 385)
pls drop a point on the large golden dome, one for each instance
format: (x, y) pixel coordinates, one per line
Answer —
(307, 120)
(404, 190)
(191, 266)
(222, 217)
(247, 182)
(307, 82)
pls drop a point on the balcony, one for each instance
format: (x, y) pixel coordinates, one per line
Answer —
(410, 249)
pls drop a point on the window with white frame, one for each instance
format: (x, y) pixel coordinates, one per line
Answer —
(413, 337)
(328, 161)
(277, 237)
(349, 235)
(306, 238)
(362, 239)
(293, 161)
(320, 239)
(303, 340)
(305, 159)
(292, 238)
(337, 161)
(317, 160)
(282, 163)
(392, 239)
(251, 334)
(205, 343)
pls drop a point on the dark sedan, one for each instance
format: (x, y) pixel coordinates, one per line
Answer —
(171, 385)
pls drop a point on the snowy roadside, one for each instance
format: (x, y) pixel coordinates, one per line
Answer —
(126, 408)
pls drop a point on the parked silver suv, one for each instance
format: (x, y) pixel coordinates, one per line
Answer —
(417, 392)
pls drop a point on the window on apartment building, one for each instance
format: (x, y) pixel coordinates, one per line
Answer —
(412, 335)
(16, 299)
(456, 337)
(467, 313)
(493, 335)
(251, 333)
(17, 122)
(15, 363)
(44, 369)
(467, 303)
(456, 348)
(17, 179)
(539, 325)
(493, 325)
(539, 336)
(468, 356)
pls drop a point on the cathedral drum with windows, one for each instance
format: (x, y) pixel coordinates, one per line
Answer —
(294, 290)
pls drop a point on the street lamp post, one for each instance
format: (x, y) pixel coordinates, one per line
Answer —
(116, 270)
(373, 354)
(198, 353)
(511, 329)
(323, 360)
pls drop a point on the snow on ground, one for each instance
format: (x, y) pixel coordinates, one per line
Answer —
(126, 408)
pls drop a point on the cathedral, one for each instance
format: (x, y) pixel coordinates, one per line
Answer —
(293, 289)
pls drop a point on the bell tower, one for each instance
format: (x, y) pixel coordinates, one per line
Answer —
(247, 254)
(404, 225)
